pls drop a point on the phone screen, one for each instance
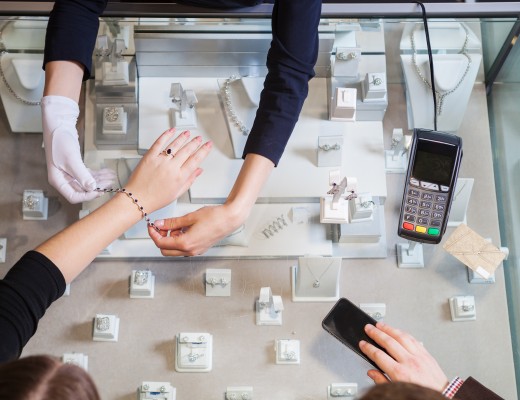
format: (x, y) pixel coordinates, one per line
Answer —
(346, 322)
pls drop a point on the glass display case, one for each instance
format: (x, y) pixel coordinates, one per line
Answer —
(162, 65)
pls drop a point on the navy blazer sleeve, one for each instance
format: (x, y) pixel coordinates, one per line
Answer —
(290, 63)
(28, 289)
(72, 31)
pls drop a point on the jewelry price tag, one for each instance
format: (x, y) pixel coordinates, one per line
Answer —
(473, 250)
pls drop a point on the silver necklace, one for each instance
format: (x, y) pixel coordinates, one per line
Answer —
(4, 79)
(317, 281)
(226, 90)
(441, 96)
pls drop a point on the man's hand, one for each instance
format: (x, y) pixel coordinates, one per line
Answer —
(65, 168)
(407, 359)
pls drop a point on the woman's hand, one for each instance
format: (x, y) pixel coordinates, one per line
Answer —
(167, 170)
(194, 233)
(407, 359)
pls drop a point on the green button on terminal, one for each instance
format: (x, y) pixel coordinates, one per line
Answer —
(433, 231)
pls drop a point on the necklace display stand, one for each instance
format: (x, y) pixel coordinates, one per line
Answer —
(459, 205)
(23, 73)
(456, 60)
(410, 255)
(316, 279)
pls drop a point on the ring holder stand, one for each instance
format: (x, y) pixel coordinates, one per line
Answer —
(3, 249)
(183, 113)
(462, 308)
(105, 328)
(194, 352)
(361, 208)
(343, 105)
(115, 93)
(218, 282)
(156, 391)
(373, 87)
(268, 308)
(35, 205)
(79, 359)
(316, 279)
(410, 255)
(460, 202)
(142, 284)
(345, 391)
(396, 159)
(239, 393)
(287, 351)
(334, 209)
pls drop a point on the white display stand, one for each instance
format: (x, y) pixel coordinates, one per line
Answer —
(316, 279)
(23, 72)
(79, 359)
(343, 391)
(239, 393)
(396, 159)
(35, 205)
(287, 351)
(268, 308)
(462, 308)
(218, 282)
(194, 352)
(105, 328)
(343, 105)
(375, 310)
(3, 249)
(142, 284)
(156, 390)
(410, 255)
(329, 151)
(460, 201)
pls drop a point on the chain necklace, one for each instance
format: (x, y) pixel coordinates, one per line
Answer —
(317, 281)
(441, 95)
(3, 51)
(226, 90)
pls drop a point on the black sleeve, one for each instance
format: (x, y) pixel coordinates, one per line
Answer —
(72, 31)
(290, 63)
(471, 389)
(28, 289)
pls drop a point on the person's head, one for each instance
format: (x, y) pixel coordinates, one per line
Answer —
(45, 378)
(401, 391)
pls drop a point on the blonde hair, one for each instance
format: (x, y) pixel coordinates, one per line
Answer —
(45, 378)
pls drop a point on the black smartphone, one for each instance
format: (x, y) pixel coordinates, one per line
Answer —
(346, 322)
(433, 167)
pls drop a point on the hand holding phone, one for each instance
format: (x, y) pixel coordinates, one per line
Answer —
(346, 322)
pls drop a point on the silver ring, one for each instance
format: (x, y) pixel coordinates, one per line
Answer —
(103, 324)
(376, 81)
(141, 277)
(111, 114)
(31, 202)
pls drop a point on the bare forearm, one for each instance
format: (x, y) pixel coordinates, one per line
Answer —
(63, 78)
(74, 248)
(254, 173)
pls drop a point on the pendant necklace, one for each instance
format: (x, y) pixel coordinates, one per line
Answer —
(441, 95)
(317, 281)
(226, 90)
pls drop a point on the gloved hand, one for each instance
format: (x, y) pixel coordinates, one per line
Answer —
(65, 168)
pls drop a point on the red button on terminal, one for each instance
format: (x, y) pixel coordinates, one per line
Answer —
(408, 226)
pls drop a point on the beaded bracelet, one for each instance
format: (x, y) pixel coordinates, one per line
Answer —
(134, 200)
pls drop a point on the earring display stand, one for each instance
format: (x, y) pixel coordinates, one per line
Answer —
(460, 202)
(410, 255)
(316, 279)
(194, 352)
(330, 151)
(396, 159)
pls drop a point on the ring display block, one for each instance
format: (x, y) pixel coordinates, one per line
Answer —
(116, 75)
(35, 205)
(462, 308)
(105, 328)
(287, 351)
(142, 284)
(194, 352)
(79, 359)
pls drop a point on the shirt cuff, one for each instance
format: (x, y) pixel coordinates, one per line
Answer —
(452, 388)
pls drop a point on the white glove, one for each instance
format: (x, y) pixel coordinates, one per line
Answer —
(65, 168)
